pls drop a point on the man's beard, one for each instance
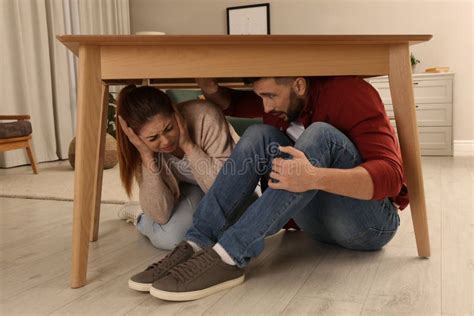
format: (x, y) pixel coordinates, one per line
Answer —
(295, 108)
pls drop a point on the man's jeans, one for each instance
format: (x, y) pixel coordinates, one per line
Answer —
(348, 222)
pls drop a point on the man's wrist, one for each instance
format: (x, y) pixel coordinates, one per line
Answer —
(317, 175)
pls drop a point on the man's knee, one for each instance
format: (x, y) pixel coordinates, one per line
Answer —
(263, 138)
(259, 131)
(315, 134)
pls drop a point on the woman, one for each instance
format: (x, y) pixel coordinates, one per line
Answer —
(174, 161)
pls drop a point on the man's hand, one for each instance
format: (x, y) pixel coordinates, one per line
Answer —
(207, 85)
(295, 175)
(220, 96)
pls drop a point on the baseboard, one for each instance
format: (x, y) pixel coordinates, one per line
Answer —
(463, 148)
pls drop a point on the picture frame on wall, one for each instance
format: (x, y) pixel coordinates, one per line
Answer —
(249, 19)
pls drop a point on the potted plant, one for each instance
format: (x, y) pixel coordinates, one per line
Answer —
(111, 112)
(110, 155)
(414, 62)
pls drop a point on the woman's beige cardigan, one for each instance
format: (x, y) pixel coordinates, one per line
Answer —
(214, 139)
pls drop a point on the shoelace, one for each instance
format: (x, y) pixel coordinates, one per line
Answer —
(157, 269)
(190, 268)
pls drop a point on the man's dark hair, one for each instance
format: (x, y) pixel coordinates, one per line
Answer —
(278, 80)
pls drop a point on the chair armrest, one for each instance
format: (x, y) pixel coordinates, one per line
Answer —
(15, 117)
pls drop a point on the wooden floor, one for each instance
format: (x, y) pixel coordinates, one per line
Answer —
(293, 276)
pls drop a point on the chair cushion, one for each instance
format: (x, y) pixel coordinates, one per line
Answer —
(15, 129)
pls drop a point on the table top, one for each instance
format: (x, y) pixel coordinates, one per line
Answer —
(74, 41)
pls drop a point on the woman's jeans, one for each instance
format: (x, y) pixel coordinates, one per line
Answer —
(169, 235)
(348, 222)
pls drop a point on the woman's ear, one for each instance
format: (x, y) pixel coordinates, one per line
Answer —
(299, 86)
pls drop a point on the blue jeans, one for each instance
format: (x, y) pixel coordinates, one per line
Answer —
(348, 222)
(169, 235)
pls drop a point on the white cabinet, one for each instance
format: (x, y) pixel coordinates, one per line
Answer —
(434, 110)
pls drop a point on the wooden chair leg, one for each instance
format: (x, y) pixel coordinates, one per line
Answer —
(32, 157)
(401, 88)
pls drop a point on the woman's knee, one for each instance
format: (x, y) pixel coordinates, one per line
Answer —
(171, 234)
(167, 236)
(166, 242)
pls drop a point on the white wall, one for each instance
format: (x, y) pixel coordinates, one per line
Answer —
(450, 22)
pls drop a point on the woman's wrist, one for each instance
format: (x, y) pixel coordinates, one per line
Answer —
(188, 148)
(148, 161)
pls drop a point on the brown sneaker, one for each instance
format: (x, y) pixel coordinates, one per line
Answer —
(202, 275)
(142, 281)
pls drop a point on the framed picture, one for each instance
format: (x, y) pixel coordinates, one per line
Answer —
(249, 19)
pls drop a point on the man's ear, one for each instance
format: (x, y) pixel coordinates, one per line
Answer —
(299, 86)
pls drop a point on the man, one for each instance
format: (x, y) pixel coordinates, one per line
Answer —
(333, 164)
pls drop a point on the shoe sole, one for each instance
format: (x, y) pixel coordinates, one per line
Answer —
(195, 295)
(141, 287)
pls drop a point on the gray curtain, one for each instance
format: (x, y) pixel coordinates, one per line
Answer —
(38, 74)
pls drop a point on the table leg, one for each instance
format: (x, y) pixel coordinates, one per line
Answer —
(401, 87)
(90, 121)
(97, 189)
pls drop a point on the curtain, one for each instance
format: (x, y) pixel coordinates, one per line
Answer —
(38, 74)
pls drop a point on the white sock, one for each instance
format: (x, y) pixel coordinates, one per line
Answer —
(223, 254)
(196, 248)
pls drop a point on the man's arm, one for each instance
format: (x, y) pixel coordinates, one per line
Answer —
(355, 183)
(235, 102)
(218, 95)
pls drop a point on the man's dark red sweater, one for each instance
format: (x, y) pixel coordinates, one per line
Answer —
(354, 107)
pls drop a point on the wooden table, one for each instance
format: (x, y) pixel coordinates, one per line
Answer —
(176, 60)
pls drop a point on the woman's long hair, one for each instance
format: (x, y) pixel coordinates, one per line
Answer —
(136, 106)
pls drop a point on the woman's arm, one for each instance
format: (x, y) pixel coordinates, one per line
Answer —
(212, 145)
(155, 196)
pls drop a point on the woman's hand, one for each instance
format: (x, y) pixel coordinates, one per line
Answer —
(145, 152)
(185, 142)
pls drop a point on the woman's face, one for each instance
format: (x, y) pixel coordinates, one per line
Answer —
(161, 133)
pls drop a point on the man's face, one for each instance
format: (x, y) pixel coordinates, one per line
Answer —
(279, 99)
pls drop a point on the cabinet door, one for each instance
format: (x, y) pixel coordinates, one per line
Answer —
(434, 141)
(425, 90)
(429, 114)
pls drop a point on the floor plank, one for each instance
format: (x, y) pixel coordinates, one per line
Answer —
(406, 285)
(457, 257)
(273, 282)
(293, 276)
(316, 306)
